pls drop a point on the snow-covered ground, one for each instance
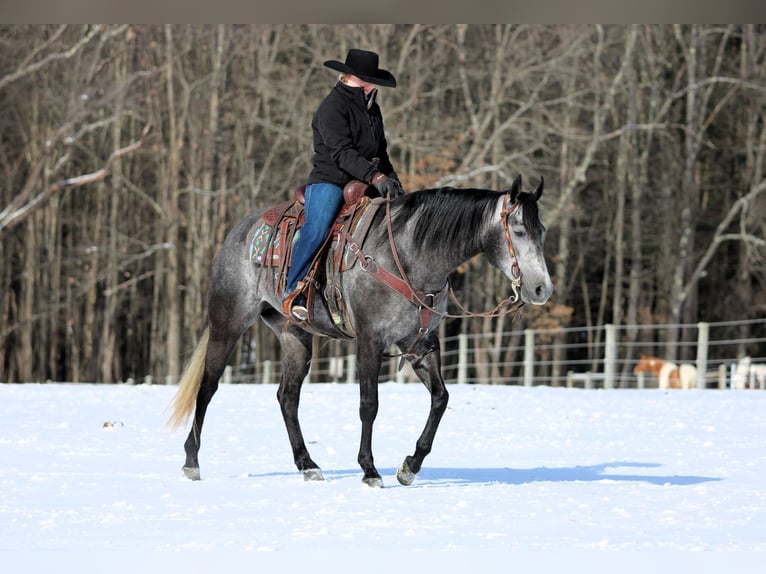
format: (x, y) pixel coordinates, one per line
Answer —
(517, 476)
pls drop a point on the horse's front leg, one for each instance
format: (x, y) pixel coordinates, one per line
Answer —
(368, 361)
(428, 369)
(296, 356)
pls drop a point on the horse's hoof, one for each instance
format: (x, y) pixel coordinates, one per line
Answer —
(404, 475)
(192, 473)
(373, 482)
(312, 474)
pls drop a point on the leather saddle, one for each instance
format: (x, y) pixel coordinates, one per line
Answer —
(271, 240)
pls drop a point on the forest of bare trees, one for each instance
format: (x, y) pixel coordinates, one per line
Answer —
(129, 151)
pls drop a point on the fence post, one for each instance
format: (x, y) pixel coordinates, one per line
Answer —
(722, 376)
(462, 358)
(703, 332)
(351, 369)
(400, 375)
(529, 357)
(266, 372)
(610, 355)
(336, 369)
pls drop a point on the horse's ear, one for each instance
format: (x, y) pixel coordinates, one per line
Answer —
(515, 188)
(539, 189)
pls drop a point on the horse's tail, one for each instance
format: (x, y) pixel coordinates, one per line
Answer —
(188, 387)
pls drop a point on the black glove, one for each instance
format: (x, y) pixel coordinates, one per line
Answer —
(397, 187)
(386, 186)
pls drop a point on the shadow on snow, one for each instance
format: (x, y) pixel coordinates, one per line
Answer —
(610, 471)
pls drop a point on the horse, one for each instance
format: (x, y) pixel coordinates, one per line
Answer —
(669, 374)
(416, 242)
(748, 375)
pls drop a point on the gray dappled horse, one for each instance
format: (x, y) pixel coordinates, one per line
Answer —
(433, 232)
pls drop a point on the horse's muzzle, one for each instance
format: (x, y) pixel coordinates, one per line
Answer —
(537, 293)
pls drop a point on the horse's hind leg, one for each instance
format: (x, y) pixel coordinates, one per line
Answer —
(428, 369)
(296, 358)
(218, 351)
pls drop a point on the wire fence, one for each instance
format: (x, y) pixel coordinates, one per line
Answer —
(579, 356)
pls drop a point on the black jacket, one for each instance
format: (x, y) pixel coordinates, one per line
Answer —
(347, 136)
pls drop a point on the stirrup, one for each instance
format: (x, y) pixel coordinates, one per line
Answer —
(298, 311)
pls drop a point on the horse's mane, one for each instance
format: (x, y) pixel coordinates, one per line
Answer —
(448, 217)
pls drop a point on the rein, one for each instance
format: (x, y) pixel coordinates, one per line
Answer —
(513, 303)
(427, 302)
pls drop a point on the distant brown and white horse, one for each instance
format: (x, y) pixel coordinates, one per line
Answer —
(669, 374)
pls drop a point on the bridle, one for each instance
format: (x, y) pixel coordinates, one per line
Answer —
(507, 305)
(505, 215)
(427, 303)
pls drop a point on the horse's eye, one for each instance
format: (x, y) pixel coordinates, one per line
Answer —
(520, 234)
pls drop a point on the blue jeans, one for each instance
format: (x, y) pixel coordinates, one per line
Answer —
(323, 202)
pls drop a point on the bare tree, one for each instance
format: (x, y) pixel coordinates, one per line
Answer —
(650, 139)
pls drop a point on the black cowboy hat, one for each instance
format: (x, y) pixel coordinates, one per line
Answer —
(364, 65)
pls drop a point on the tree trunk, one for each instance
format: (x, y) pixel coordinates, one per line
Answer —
(168, 274)
(112, 194)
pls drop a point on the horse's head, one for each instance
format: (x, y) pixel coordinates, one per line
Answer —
(647, 364)
(525, 235)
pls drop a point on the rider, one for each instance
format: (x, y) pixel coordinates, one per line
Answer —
(349, 143)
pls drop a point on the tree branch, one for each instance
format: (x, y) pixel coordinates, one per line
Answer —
(720, 237)
(11, 217)
(31, 68)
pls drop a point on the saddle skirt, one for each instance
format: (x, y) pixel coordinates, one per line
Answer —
(271, 241)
